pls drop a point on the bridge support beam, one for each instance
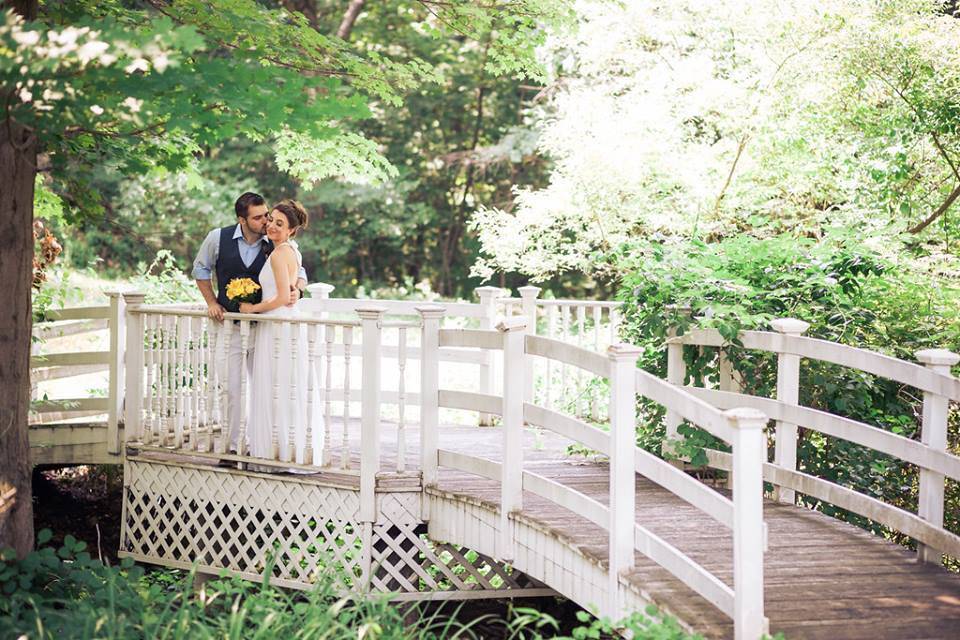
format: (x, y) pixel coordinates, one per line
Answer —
(933, 434)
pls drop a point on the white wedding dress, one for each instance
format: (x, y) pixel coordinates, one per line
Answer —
(285, 388)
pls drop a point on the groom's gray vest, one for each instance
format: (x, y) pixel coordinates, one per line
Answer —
(230, 266)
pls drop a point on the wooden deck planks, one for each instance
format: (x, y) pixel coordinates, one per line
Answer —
(824, 579)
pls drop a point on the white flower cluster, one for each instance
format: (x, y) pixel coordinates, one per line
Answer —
(686, 118)
(45, 59)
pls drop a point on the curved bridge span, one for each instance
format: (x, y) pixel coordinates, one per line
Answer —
(385, 492)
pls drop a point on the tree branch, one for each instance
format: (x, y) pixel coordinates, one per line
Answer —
(307, 7)
(942, 209)
(346, 25)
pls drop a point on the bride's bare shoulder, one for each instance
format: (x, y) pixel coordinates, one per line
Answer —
(285, 252)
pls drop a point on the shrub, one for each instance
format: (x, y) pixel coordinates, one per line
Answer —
(848, 293)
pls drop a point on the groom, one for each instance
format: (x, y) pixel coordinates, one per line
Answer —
(236, 251)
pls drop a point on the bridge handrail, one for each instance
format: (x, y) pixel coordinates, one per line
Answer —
(742, 428)
(859, 433)
(652, 546)
(892, 444)
(930, 455)
(52, 366)
(908, 373)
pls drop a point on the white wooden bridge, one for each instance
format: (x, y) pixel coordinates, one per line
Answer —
(411, 497)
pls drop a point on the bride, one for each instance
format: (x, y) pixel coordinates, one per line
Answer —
(281, 379)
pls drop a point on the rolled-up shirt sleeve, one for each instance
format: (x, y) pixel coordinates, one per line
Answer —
(206, 260)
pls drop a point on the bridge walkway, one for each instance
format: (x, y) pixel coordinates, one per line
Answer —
(824, 579)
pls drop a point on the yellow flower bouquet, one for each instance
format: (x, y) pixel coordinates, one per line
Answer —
(241, 290)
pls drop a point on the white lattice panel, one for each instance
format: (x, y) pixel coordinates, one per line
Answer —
(406, 561)
(180, 515)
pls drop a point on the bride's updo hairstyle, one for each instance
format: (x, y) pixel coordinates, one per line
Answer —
(295, 213)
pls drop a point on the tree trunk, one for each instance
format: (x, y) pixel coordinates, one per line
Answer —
(18, 156)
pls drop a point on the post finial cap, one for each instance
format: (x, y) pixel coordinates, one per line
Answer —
(623, 351)
(529, 291)
(431, 310)
(513, 323)
(370, 311)
(746, 418)
(789, 326)
(320, 289)
(937, 357)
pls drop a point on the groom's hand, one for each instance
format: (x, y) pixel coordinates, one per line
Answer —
(294, 296)
(215, 311)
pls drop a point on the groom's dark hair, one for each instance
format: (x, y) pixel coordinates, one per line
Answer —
(247, 200)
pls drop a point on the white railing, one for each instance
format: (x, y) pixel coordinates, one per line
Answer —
(178, 387)
(81, 324)
(741, 428)
(589, 324)
(930, 454)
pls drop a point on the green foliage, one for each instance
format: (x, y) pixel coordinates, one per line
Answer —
(847, 292)
(64, 593)
(647, 625)
(708, 119)
(163, 281)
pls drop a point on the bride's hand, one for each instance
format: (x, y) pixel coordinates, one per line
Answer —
(247, 307)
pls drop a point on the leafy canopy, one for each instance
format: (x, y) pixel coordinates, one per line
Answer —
(145, 88)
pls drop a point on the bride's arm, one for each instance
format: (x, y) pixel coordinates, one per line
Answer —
(281, 263)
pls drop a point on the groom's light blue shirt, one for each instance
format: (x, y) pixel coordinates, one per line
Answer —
(206, 261)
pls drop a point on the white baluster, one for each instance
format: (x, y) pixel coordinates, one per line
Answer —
(401, 401)
(430, 317)
(488, 302)
(614, 314)
(676, 374)
(193, 381)
(564, 368)
(329, 336)
(582, 403)
(180, 372)
(345, 441)
(164, 377)
(293, 410)
(551, 333)
(242, 448)
(595, 392)
(157, 426)
(276, 439)
(203, 372)
(226, 335)
(312, 365)
(150, 338)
